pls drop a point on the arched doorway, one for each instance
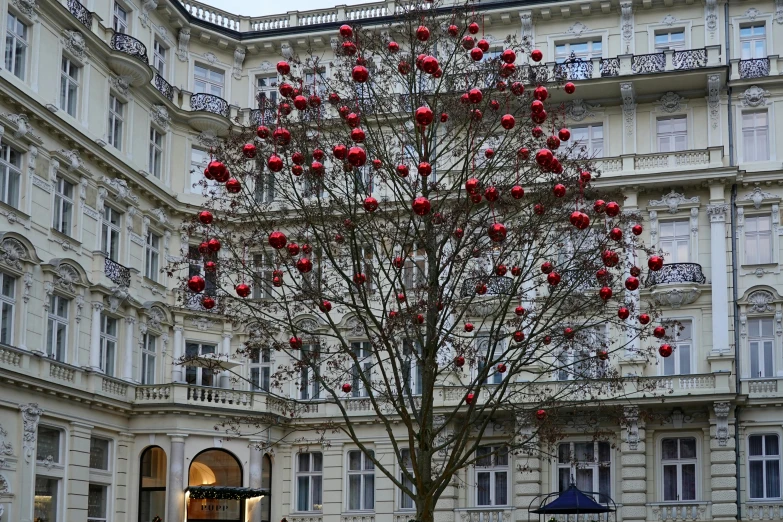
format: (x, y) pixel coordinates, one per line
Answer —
(266, 484)
(216, 469)
(152, 484)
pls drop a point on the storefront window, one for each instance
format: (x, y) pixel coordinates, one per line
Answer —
(215, 468)
(152, 494)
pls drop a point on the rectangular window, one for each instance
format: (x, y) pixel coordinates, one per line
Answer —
(764, 467)
(47, 494)
(57, 335)
(679, 362)
(672, 134)
(755, 136)
(675, 240)
(406, 501)
(16, 46)
(492, 476)
(116, 120)
(588, 139)
(10, 175)
(48, 444)
(152, 256)
(264, 186)
(673, 39)
(361, 482)
(120, 19)
(761, 341)
(584, 50)
(159, 53)
(149, 355)
(63, 206)
(680, 462)
(7, 302)
(309, 384)
(208, 81)
(414, 273)
(309, 481)
(199, 159)
(758, 240)
(753, 41)
(108, 344)
(97, 503)
(156, 152)
(411, 367)
(196, 267)
(69, 86)
(487, 351)
(99, 453)
(589, 463)
(110, 233)
(363, 367)
(260, 369)
(262, 281)
(267, 90)
(195, 375)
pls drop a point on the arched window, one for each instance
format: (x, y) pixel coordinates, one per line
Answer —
(219, 469)
(152, 484)
(266, 483)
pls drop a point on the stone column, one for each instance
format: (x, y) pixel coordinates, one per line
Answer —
(95, 336)
(225, 380)
(175, 492)
(127, 369)
(723, 464)
(633, 343)
(719, 277)
(125, 482)
(31, 414)
(177, 374)
(78, 475)
(255, 473)
(634, 470)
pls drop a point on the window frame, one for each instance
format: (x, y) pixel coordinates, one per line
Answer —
(762, 340)
(111, 233)
(197, 171)
(412, 368)
(679, 344)
(115, 131)
(149, 358)
(753, 135)
(108, 344)
(363, 473)
(311, 390)
(152, 253)
(10, 171)
(679, 462)
(483, 342)
(590, 142)
(764, 458)
(54, 319)
(493, 469)
(261, 362)
(675, 239)
(671, 135)
(753, 39)
(365, 361)
(119, 24)
(18, 40)
(263, 268)
(105, 488)
(405, 454)
(160, 53)
(109, 448)
(7, 308)
(758, 235)
(70, 78)
(156, 152)
(200, 374)
(595, 466)
(207, 81)
(63, 204)
(310, 474)
(567, 43)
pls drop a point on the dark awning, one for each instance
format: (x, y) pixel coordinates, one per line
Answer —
(225, 492)
(572, 502)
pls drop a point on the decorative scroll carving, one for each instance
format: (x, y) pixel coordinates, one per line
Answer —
(182, 44)
(757, 197)
(160, 116)
(670, 102)
(722, 422)
(713, 99)
(579, 109)
(67, 276)
(629, 106)
(673, 200)
(31, 414)
(239, 58)
(75, 43)
(754, 96)
(632, 419)
(761, 301)
(12, 253)
(626, 25)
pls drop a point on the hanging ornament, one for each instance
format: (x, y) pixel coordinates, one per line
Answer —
(481, 289)
(517, 192)
(205, 217)
(508, 56)
(401, 297)
(470, 397)
(473, 28)
(346, 31)
(569, 332)
(539, 117)
(403, 67)
(421, 205)
(644, 318)
(249, 150)
(424, 169)
(207, 303)
(213, 244)
(357, 156)
(444, 117)
(539, 209)
(468, 327)
(564, 134)
(623, 313)
(585, 176)
(476, 198)
(536, 55)
(553, 279)
(307, 249)
(233, 186)
(295, 343)
(541, 414)
(507, 121)
(615, 234)
(314, 101)
(275, 163)
(602, 274)
(540, 93)
(637, 229)
(286, 89)
(196, 284)
(569, 88)
(420, 318)
(422, 33)
(507, 69)
(501, 270)
(612, 209)
(402, 171)
(283, 68)
(453, 30)
(424, 116)
(610, 258)
(547, 267)
(523, 153)
(304, 265)
(497, 232)
(300, 102)
(359, 279)
(665, 350)
(263, 132)
(635, 271)
(242, 290)
(536, 106)
(429, 64)
(475, 95)
(519, 336)
(360, 74)
(599, 206)
(517, 88)
(468, 42)
(370, 204)
(297, 170)
(476, 54)
(349, 48)
(347, 387)
(377, 164)
(659, 332)
(339, 151)
(519, 311)
(547, 339)
(559, 190)
(492, 194)
(632, 283)
(210, 266)
(494, 105)
(655, 263)
(458, 233)
(544, 157)
(459, 361)
(203, 248)
(216, 169)
(603, 355)
(293, 249)
(553, 142)
(357, 135)
(579, 219)
(317, 168)
(472, 185)
(501, 368)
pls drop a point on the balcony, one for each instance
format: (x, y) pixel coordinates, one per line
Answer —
(668, 164)
(163, 86)
(763, 388)
(755, 68)
(676, 284)
(209, 113)
(80, 12)
(496, 285)
(760, 510)
(679, 511)
(129, 59)
(118, 274)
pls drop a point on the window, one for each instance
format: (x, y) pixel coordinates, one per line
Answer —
(260, 369)
(672, 134)
(151, 256)
(368, 268)
(47, 492)
(116, 115)
(361, 481)
(149, 353)
(583, 50)
(675, 240)
(208, 81)
(406, 501)
(673, 39)
(152, 494)
(758, 240)
(96, 503)
(309, 385)
(196, 268)
(69, 86)
(10, 175)
(488, 349)
(156, 152)
(590, 465)
(57, 336)
(492, 474)
(265, 185)
(199, 160)
(309, 481)
(199, 376)
(580, 361)
(590, 138)
(267, 90)
(48, 444)
(679, 362)
(761, 341)
(262, 280)
(411, 367)
(159, 53)
(7, 302)
(120, 19)
(63, 206)
(753, 41)
(218, 468)
(755, 136)
(415, 268)
(110, 233)
(99, 453)
(363, 367)
(15, 46)
(266, 484)
(764, 466)
(679, 460)
(108, 344)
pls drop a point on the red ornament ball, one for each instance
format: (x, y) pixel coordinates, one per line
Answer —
(459, 361)
(473, 28)
(615, 234)
(612, 209)
(659, 332)
(469, 398)
(421, 206)
(293, 249)
(539, 209)
(599, 206)
(610, 258)
(468, 42)
(517, 192)
(468, 327)
(508, 121)
(501, 270)
(347, 387)
(516, 271)
(263, 132)
(196, 284)
(540, 93)
(475, 95)
(402, 171)
(360, 74)
(536, 55)
(637, 229)
(569, 88)
(564, 134)
(249, 150)
(472, 185)
(632, 283)
(665, 350)
(233, 186)
(357, 135)
(242, 290)
(497, 232)
(283, 68)
(205, 217)
(655, 263)
(569, 332)
(623, 313)
(207, 303)
(424, 116)
(517, 88)
(559, 190)
(213, 244)
(519, 311)
(553, 279)
(508, 56)
(476, 54)
(424, 169)
(422, 33)
(644, 318)
(370, 204)
(492, 194)
(453, 30)
(541, 414)
(304, 265)
(339, 151)
(605, 293)
(274, 163)
(295, 343)
(346, 31)
(501, 368)
(357, 156)
(393, 47)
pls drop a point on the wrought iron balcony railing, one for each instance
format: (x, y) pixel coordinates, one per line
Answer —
(610, 67)
(648, 63)
(689, 59)
(163, 86)
(209, 103)
(574, 69)
(673, 273)
(80, 12)
(754, 68)
(118, 274)
(496, 285)
(130, 46)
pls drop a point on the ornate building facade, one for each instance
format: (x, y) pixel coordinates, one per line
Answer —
(98, 157)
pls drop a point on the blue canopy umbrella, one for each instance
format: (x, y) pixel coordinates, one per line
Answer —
(573, 501)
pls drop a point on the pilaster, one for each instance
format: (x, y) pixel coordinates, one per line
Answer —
(634, 467)
(78, 472)
(723, 478)
(124, 482)
(175, 492)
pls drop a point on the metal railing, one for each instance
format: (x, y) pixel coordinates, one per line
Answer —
(689, 59)
(674, 273)
(80, 12)
(754, 68)
(118, 274)
(130, 46)
(496, 285)
(648, 63)
(209, 103)
(163, 86)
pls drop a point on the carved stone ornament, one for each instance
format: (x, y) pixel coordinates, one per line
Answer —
(210, 57)
(717, 213)
(265, 66)
(752, 13)
(160, 116)
(12, 253)
(713, 99)
(779, 11)
(146, 7)
(629, 106)
(526, 18)
(754, 96)
(4, 488)
(207, 138)
(722, 422)
(202, 323)
(286, 50)
(182, 44)
(121, 84)
(27, 7)
(578, 110)
(711, 16)
(356, 327)
(121, 190)
(334, 42)
(631, 414)
(761, 301)
(23, 126)
(668, 20)
(160, 214)
(31, 414)
(757, 197)
(67, 277)
(239, 58)
(155, 317)
(670, 102)
(307, 325)
(673, 200)
(74, 159)
(75, 43)
(626, 24)
(577, 29)
(676, 297)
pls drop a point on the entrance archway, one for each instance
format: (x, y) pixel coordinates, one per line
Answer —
(219, 471)
(152, 484)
